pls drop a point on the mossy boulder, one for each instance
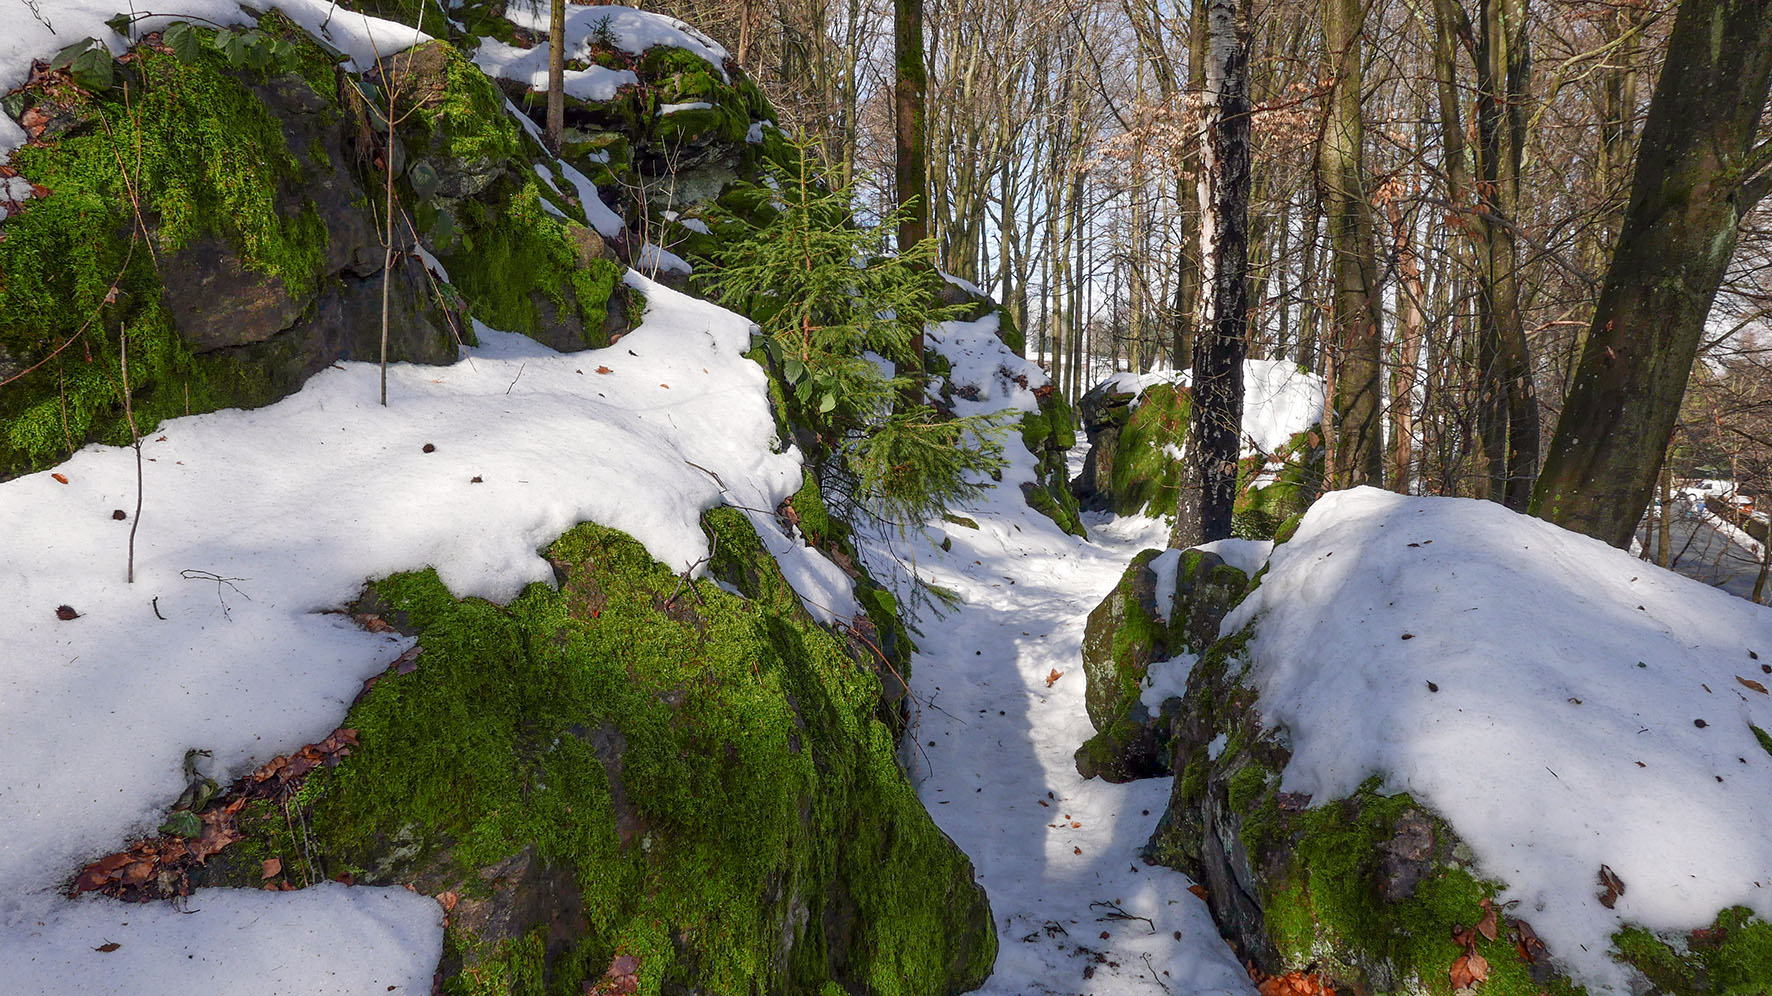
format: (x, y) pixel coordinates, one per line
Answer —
(517, 249)
(257, 258)
(1375, 893)
(253, 263)
(1134, 466)
(1049, 434)
(1126, 633)
(640, 775)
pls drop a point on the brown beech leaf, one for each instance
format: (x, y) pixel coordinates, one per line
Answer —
(1198, 890)
(1053, 677)
(107, 947)
(604, 370)
(1750, 683)
(1470, 969)
(271, 868)
(448, 901)
(59, 478)
(1488, 926)
(66, 613)
(1613, 885)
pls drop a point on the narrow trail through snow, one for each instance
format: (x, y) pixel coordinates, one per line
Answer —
(1058, 856)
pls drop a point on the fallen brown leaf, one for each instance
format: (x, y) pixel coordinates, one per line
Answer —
(271, 868)
(1614, 887)
(1199, 891)
(604, 370)
(1053, 677)
(66, 612)
(1750, 683)
(1470, 969)
(108, 947)
(59, 478)
(1488, 926)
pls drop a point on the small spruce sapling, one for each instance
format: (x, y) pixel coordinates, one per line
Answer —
(840, 316)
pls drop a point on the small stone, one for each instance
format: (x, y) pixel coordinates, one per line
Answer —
(1701, 724)
(430, 447)
(119, 514)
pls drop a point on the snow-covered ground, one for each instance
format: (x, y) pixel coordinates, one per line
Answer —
(292, 507)
(1565, 705)
(999, 687)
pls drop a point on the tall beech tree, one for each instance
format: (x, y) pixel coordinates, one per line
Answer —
(910, 130)
(1698, 174)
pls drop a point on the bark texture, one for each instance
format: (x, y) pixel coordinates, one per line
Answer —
(1698, 173)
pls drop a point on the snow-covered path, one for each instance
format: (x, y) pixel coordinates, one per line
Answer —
(1057, 855)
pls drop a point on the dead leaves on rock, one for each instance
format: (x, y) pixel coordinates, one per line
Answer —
(1290, 984)
(159, 866)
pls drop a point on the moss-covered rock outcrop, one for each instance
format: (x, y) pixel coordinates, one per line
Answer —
(227, 219)
(638, 775)
(1136, 447)
(1373, 893)
(1049, 434)
(1127, 632)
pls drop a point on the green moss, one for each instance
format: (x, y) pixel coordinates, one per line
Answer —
(1732, 957)
(1762, 736)
(1145, 478)
(511, 259)
(207, 160)
(706, 768)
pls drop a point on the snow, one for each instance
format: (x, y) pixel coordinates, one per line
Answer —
(965, 285)
(1166, 566)
(654, 258)
(1590, 708)
(1248, 556)
(980, 360)
(1165, 680)
(359, 37)
(607, 223)
(529, 66)
(693, 105)
(328, 940)
(1279, 399)
(633, 31)
(301, 502)
(992, 751)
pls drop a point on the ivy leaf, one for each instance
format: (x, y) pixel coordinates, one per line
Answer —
(184, 40)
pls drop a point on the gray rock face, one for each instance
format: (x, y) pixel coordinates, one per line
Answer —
(1124, 635)
(221, 306)
(1103, 413)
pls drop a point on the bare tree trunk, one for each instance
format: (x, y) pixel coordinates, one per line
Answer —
(911, 139)
(1698, 173)
(1411, 330)
(556, 75)
(1219, 347)
(1359, 405)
